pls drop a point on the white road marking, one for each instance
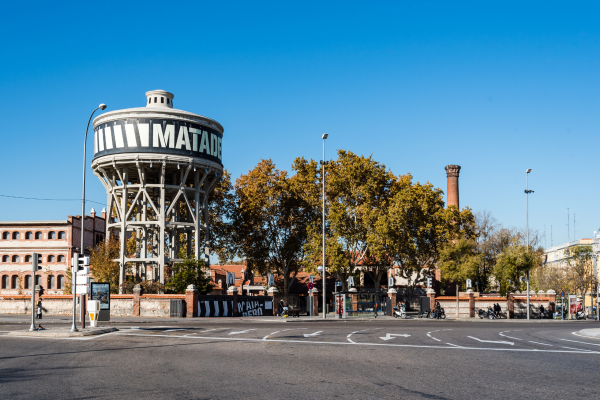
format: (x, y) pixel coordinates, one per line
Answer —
(543, 344)
(172, 330)
(265, 338)
(390, 336)
(312, 334)
(577, 341)
(573, 348)
(452, 347)
(209, 330)
(348, 337)
(455, 345)
(237, 333)
(510, 337)
(71, 338)
(491, 341)
(429, 334)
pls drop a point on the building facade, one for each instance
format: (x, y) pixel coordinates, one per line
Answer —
(56, 241)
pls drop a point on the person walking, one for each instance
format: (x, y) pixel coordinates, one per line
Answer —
(438, 310)
(38, 310)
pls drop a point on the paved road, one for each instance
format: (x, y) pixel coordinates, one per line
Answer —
(231, 359)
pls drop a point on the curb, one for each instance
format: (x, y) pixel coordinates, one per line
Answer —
(50, 333)
(595, 333)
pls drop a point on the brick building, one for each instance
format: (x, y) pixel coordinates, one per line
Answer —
(56, 241)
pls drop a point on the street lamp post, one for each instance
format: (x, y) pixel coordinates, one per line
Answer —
(324, 272)
(81, 247)
(527, 191)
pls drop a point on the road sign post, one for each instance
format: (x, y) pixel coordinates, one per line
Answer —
(35, 265)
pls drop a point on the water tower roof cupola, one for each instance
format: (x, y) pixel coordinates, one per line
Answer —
(159, 98)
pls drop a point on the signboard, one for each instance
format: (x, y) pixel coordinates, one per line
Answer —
(311, 278)
(82, 289)
(311, 285)
(429, 281)
(468, 283)
(350, 281)
(390, 281)
(562, 294)
(338, 283)
(101, 292)
(158, 135)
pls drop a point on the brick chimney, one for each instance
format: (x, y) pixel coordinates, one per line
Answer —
(104, 213)
(452, 172)
(93, 213)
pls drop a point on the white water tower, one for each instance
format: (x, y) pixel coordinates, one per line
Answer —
(158, 166)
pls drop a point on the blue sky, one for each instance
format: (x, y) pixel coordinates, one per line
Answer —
(496, 88)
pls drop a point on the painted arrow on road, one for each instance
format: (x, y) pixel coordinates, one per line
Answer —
(390, 336)
(237, 333)
(492, 341)
(312, 334)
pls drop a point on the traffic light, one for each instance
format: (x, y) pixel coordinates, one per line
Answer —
(37, 261)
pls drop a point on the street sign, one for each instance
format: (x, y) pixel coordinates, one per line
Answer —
(83, 280)
(562, 294)
(311, 277)
(338, 283)
(82, 289)
(311, 285)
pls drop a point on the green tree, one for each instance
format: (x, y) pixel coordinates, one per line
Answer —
(189, 272)
(579, 267)
(102, 265)
(459, 260)
(269, 219)
(512, 265)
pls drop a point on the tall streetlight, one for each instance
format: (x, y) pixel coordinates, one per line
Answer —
(527, 191)
(324, 272)
(100, 107)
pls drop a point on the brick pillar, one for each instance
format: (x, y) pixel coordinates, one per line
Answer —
(314, 294)
(471, 297)
(354, 296)
(452, 172)
(510, 304)
(431, 295)
(137, 293)
(191, 301)
(233, 292)
(274, 293)
(392, 293)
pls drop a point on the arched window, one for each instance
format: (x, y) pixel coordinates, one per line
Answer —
(6, 235)
(38, 235)
(5, 281)
(29, 235)
(5, 259)
(16, 235)
(50, 284)
(27, 258)
(15, 282)
(38, 280)
(51, 235)
(61, 258)
(61, 282)
(15, 259)
(27, 281)
(51, 258)
(62, 235)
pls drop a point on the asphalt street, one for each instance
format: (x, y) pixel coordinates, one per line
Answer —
(249, 359)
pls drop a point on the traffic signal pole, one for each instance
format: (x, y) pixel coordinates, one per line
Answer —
(34, 267)
(74, 263)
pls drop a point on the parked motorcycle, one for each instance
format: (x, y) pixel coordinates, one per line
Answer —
(424, 314)
(400, 313)
(580, 315)
(486, 314)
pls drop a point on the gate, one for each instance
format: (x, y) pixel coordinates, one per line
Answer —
(215, 306)
(249, 306)
(176, 308)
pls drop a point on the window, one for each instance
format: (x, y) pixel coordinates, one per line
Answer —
(5, 235)
(150, 100)
(38, 236)
(167, 101)
(15, 282)
(27, 281)
(61, 258)
(38, 280)
(51, 259)
(162, 99)
(5, 282)
(61, 282)
(15, 259)
(29, 236)
(16, 235)
(27, 258)
(155, 99)
(50, 284)
(5, 259)
(52, 235)
(62, 235)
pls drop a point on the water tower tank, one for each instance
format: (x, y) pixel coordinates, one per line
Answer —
(158, 166)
